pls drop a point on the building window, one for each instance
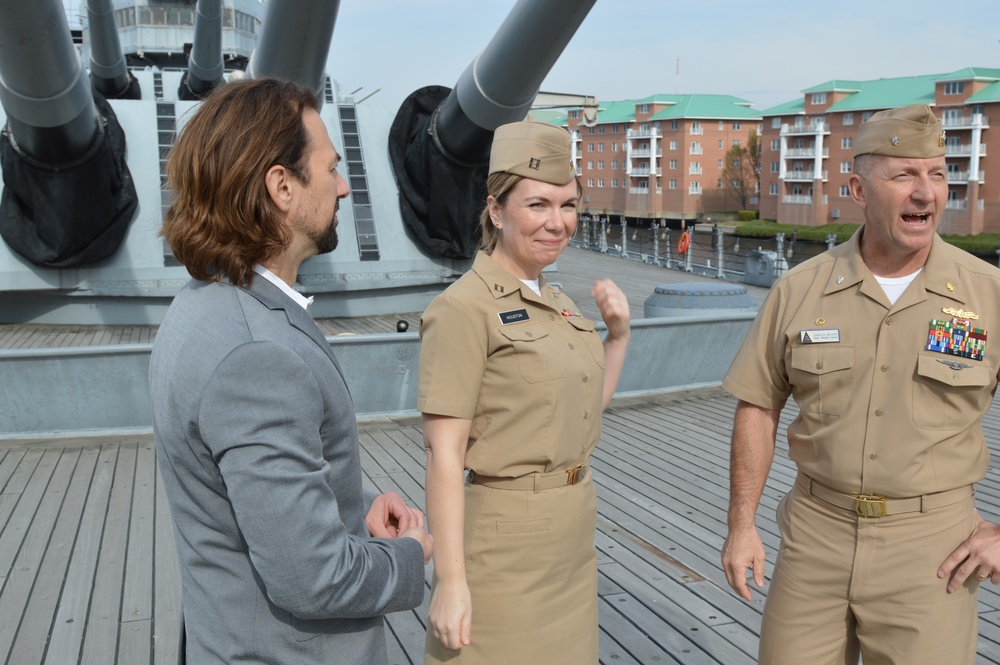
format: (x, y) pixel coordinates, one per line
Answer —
(848, 118)
(818, 98)
(845, 167)
(718, 184)
(722, 125)
(694, 188)
(590, 130)
(736, 142)
(954, 87)
(600, 129)
(600, 182)
(776, 122)
(643, 108)
(673, 124)
(673, 184)
(775, 167)
(614, 164)
(600, 147)
(818, 120)
(614, 129)
(695, 168)
(722, 144)
(574, 115)
(737, 124)
(845, 191)
(866, 116)
(600, 164)
(590, 182)
(673, 145)
(590, 164)
(696, 127)
(614, 147)
(695, 148)
(774, 190)
(847, 142)
(673, 164)
(775, 144)
(614, 182)
(590, 147)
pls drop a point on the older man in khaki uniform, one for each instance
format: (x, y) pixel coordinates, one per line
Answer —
(886, 345)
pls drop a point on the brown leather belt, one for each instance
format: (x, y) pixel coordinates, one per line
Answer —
(872, 505)
(534, 481)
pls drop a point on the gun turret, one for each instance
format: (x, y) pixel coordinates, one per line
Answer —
(205, 65)
(68, 195)
(439, 142)
(108, 71)
(295, 41)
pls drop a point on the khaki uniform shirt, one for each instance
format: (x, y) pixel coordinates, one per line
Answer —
(530, 377)
(878, 412)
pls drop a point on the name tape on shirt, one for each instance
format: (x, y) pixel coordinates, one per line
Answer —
(819, 336)
(513, 316)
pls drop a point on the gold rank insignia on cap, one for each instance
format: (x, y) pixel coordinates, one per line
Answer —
(908, 131)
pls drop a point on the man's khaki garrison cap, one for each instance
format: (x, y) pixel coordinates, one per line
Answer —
(533, 150)
(907, 131)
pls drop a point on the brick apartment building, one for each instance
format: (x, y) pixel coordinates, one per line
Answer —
(808, 147)
(660, 157)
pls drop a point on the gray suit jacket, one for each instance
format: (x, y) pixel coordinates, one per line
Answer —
(258, 448)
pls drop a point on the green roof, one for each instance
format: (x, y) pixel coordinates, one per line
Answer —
(719, 107)
(890, 92)
(549, 116)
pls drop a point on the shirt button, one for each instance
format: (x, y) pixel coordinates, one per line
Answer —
(884, 368)
(586, 379)
(888, 321)
(528, 334)
(571, 346)
(586, 415)
(819, 365)
(873, 456)
(552, 317)
(878, 412)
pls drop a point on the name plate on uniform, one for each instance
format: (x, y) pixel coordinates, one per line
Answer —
(819, 336)
(513, 316)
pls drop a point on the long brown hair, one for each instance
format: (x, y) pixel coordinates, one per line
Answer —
(221, 220)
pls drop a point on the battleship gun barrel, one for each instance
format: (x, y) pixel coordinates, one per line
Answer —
(205, 66)
(501, 83)
(44, 90)
(295, 41)
(108, 71)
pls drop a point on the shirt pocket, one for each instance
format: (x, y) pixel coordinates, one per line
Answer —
(537, 358)
(950, 399)
(822, 377)
(590, 336)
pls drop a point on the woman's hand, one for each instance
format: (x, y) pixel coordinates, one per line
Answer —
(450, 614)
(614, 308)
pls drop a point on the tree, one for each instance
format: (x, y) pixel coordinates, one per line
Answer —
(741, 170)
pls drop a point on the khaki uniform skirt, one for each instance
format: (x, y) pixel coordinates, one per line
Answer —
(532, 570)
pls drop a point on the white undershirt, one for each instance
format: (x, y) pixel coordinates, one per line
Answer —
(894, 286)
(533, 285)
(299, 299)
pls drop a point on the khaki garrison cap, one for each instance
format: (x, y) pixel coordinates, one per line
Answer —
(533, 150)
(907, 131)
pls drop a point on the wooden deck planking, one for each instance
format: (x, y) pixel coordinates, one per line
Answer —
(87, 523)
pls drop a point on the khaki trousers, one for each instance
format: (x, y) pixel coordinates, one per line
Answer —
(845, 586)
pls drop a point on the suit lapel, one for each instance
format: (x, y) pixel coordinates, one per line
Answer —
(271, 297)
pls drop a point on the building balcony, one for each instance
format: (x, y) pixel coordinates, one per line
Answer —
(963, 177)
(800, 199)
(643, 132)
(803, 176)
(579, 170)
(574, 135)
(641, 154)
(644, 173)
(956, 204)
(805, 130)
(805, 152)
(963, 150)
(638, 190)
(966, 121)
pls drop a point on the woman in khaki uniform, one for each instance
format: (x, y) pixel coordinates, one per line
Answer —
(512, 385)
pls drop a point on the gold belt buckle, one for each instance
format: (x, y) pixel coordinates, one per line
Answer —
(573, 474)
(869, 505)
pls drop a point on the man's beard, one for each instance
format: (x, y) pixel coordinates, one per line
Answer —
(326, 241)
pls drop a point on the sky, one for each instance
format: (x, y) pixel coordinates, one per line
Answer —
(764, 52)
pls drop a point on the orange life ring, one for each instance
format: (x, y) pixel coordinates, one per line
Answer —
(684, 243)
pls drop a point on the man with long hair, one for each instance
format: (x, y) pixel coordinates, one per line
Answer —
(284, 559)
